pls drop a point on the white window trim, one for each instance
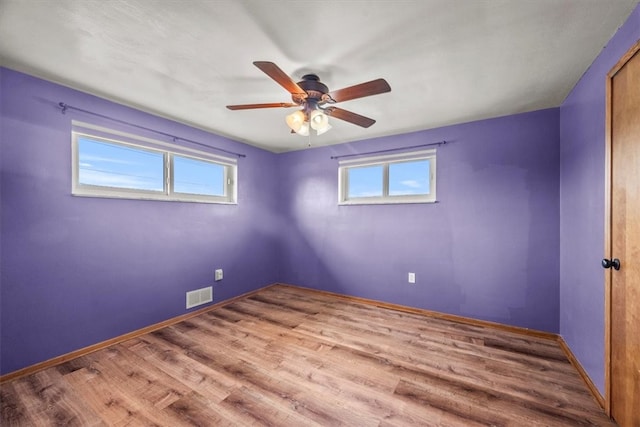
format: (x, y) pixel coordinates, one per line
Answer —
(168, 150)
(343, 180)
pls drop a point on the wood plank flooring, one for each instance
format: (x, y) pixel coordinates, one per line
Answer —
(293, 357)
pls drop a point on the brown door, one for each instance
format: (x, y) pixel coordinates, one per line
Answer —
(623, 284)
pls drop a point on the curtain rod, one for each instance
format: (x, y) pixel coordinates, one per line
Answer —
(389, 150)
(64, 107)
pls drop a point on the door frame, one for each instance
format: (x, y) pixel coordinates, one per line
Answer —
(607, 222)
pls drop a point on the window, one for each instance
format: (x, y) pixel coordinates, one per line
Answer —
(397, 178)
(108, 167)
(365, 181)
(195, 176)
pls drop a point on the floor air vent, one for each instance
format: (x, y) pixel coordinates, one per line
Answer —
(199, 296)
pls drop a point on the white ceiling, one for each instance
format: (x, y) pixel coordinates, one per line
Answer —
(447, 61)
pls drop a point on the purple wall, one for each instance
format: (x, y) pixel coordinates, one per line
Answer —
(516, 238)
(75, 270)
(582, 139)
(489, 249)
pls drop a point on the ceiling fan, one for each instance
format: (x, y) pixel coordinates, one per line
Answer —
(316, 100)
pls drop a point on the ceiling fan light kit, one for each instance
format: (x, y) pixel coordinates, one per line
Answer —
(319, 120)
(313, 96)
(295, 120)
(300, 121)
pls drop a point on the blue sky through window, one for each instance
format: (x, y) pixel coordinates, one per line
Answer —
(195, 176)
(114, 165)
(110, 168)
(365, 181)
(405, 179)
(409, 178)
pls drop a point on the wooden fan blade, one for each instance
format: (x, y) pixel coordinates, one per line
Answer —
(273, 71)
(350, 117)
(252, 106)
(361, 90)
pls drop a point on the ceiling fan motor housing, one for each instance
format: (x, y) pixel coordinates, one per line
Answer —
(315, 89)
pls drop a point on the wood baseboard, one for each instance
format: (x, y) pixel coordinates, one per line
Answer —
(585, 377)
(116, 340)
(434, 314)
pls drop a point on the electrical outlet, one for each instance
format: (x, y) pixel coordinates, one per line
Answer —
(412, 277)
(219, 274)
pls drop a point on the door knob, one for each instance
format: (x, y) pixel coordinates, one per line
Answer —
(615, 263)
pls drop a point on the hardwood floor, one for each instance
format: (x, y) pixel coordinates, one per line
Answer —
(289, 356)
